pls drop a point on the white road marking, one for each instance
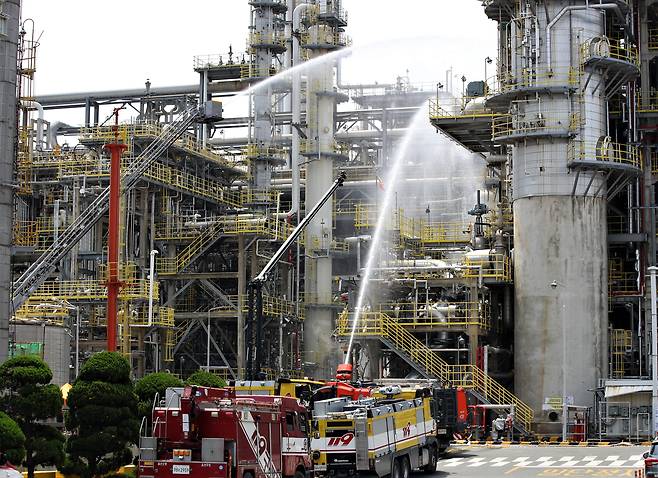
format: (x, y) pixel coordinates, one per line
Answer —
(566, 458)
(590, 458)
(521, 458)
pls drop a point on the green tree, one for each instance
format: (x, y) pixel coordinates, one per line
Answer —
(31, 400)
(102, 417)
(152, 384)
(12, 440)
(205, 379)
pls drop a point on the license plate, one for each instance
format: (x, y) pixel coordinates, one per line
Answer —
(180, 469)
(441, 431)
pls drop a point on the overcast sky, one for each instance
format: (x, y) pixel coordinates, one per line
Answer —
(89, 45)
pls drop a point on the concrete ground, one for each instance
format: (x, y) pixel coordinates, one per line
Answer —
(527, 461)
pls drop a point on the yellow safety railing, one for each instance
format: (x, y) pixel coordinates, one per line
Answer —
(622, 282)
(507, 125)
(52, 312)
(162, 317)
(253, 151)
(92, 290)
(247, 69)
(449, 314)
(621, 343)
(126, 272)
(603, 47)
(652, 43)
(261, 40)
(325, 39)
(26, 233)
(607, 151)
(459, 108)
(617, 224)
(540, 78)
(24, 160)
(310, 146)
(150, 130)
(445, 233)
(648, 103)
(497, 267)
(173, 265)
(273, 306)
(169, 344)
(375, 324)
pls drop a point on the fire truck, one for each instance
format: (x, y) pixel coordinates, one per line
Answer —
(212, 433)
(389, 436)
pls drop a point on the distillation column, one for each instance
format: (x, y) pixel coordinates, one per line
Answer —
(9, 18)
(320, 104)
(264, 42)
(559, 222)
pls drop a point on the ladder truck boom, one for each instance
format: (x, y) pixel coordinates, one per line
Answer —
(255, 286)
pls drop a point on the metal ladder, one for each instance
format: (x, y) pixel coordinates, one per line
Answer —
(39, 270)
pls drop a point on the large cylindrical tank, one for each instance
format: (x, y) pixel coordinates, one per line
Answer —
(560, 248)
(9, 16)
(55, 343)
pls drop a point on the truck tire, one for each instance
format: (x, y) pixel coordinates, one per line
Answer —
(396, 469)
(300, 474)
(434, 457)
(405, 467)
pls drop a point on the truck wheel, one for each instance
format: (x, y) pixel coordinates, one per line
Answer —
(396, 471)
(300, 474)
(406, 467)
(431, 466)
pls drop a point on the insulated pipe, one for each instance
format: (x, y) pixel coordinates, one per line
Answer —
(296, 106)
(37, 106)
(599, 6)
(53, 128)
(151, 284)
(654, 351)
(357, 135)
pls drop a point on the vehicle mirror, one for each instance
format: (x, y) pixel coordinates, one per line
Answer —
(645, 455)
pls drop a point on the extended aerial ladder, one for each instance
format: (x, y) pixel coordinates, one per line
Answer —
(255, 287)
(39, 270)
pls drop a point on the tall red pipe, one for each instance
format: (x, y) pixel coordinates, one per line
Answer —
(113, 283)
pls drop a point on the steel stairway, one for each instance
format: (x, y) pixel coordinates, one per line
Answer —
(395, 336)
(39, 270)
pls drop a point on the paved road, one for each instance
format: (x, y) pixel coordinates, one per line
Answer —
(544, 461)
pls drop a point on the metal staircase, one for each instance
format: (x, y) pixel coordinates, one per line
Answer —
(200, 244)
(413, 351)
(39, 270)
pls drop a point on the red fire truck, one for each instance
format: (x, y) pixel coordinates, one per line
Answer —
(212, 433)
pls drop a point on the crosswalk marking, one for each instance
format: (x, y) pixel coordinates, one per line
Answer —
(589, 461)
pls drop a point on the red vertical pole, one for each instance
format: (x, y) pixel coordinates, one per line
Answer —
(113, 284)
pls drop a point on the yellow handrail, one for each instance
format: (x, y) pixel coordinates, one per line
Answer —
(466, 376)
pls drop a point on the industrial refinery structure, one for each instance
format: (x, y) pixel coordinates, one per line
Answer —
(522, 280)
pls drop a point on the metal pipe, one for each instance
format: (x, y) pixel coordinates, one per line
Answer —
(36, 105)
(600, 6)
(80, 97)
(296, 107)
(654, 351)
(77, 341)
(151, 284)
